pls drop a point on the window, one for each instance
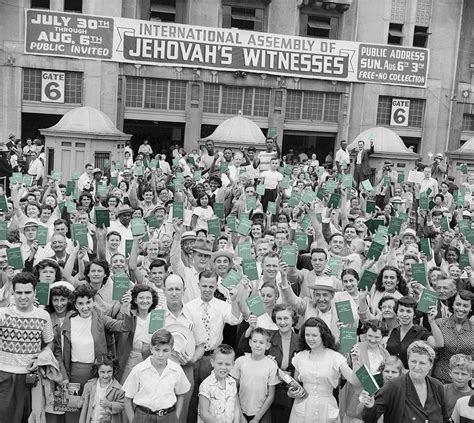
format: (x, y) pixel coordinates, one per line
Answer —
(32, 86)
(163, 10)
(134, 92)
(323, 24)
(312, 105)
(420, 36)
(100, 157)
(229, 100)
(73, 6)
(154, 93)
(40, 4)
(243, 15)
(415, 115)
(395, 33)
(468, 122)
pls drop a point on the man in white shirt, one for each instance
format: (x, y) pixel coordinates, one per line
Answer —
(428, 183)
(214, 314)
(175, 313)
(343, 158)
(36, 168)
(85, 180)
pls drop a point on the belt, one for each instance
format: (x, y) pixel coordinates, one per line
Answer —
(207, 353)
(159, 413)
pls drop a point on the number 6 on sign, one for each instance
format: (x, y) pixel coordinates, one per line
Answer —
(400, 112)
(52, 87)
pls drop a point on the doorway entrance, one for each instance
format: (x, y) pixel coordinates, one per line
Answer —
(31, 123)
(161, 135)
(319, 143)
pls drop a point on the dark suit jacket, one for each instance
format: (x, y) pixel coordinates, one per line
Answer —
(365, 161)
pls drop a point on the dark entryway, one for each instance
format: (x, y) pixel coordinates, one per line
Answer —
(161, 135)
(310, 143)
(31, 123)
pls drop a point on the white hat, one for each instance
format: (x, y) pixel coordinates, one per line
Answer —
(63, 283)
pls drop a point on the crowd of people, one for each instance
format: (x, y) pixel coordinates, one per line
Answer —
(236, 286)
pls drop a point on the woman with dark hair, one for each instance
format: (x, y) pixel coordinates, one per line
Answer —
(202, 213)
(86, 200)
(350, 282)
(60, 302)
(402, 336)
(134, 346)
(458, 334)
(318, 366)
(48, 271)
(389, 282)
(284, 344)
(97, 274)
(83, 337)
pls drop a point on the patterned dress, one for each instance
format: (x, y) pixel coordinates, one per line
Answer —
(454, 343)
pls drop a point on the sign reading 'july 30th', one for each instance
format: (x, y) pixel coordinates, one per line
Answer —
(169, 44)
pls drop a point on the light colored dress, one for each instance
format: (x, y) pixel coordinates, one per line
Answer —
(319, 379)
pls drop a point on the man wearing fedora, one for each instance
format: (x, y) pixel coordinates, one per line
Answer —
(319, 304)
(122, 225)
(439, 168)
(202, 251)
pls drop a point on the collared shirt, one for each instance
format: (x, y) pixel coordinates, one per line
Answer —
(185, 318)
(146, 387)
(359, 157)
(220, 313)
(343, 157)
(221, 399)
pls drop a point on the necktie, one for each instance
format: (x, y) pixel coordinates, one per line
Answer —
(206, 320)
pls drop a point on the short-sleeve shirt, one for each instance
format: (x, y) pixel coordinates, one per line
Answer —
(146, 387)
(271, 179)
(21, 337)
(255, 377)
(221, 400)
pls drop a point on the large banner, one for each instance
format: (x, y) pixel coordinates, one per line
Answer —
(169, 44)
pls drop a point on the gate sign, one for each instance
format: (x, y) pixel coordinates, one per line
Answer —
(400, 112)
(52, 87)
(151, 43)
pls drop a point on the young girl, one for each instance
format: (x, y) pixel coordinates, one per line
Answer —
(103, 396)
(202, 213)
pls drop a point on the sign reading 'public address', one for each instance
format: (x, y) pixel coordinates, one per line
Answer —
(169, 44)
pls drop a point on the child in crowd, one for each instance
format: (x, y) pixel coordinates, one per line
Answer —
(460, 371)
(391, 368)
(103, 396)
(257, 376)
(156, 386)
(218, 397)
